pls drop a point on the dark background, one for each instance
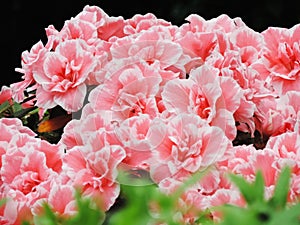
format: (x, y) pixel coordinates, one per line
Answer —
(23, 21)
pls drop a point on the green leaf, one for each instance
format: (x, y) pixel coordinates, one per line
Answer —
(259, 187)
(282, 187)
(290, 216)
(17, 107)
(4, 106)
(25, 223)
(233, 215)
(23, 112)
(47, 217)
(2, 202)
(136, 210)
(251, 192)
(88, 212)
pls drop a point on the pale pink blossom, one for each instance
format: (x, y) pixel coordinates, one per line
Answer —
(202, 38)
(222, 23)
(26, 175)
(78, 131)
(212, 97)
(5, 94)
(280, 57)
(139, 136)
(72, 29)
(85, 27)
(278, 115)
(139, 22)
(12, 126)
(61, 198)
(190, 145)
(287, 146)
(151, 46)
(107, 26)
(30, 61)
(248, 43)
(130, 90)
(233, 48)
(61, 75)
(13, 134)
(188, 205)
(93, 169)
(27, 166)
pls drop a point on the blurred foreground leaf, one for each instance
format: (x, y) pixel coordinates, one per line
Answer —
(260, 211)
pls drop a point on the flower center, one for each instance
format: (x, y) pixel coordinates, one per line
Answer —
(202, 107)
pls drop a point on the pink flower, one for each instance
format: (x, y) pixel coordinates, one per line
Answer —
(26, 174)
(248, 43)
(93, 168)
(170, 101)
(78, 132)
(30, 62)
(72, 29)
(129, 91)
(280, 58)
(139, 136)
(287, 146)
(221, 23)
(190, 145)
(61, 75)
(206, 95)
(139, 23)
(5, 94)
(61, 198)
(153, 45)
(12, 126)
(201, 39)
(107, 26)
(278, 115)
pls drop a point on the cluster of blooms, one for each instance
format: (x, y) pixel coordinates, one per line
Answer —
(169, 100)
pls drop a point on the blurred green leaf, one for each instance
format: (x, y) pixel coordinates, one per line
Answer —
(135, 211)
(259, 211)
(2, 202)
(23, 112)
(290, 216)
(4, 106)
(47, 218)
(88, 213)
(252, 192)
(282, 187)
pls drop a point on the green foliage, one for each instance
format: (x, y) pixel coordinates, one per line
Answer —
(2, 202)
(141, 200)
(252, 192)
(259, 210)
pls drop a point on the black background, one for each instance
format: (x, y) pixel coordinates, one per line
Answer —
(23, 22)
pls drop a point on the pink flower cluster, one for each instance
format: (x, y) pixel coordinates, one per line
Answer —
(34, 172)
(169, 100)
